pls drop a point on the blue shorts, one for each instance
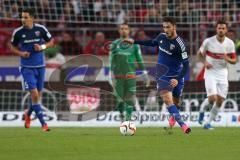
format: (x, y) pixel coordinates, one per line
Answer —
(33, 78)
(163, 83)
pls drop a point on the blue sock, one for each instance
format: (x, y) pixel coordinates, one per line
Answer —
(30, 109)
(38, 110)
(175, 113)
(201, 117)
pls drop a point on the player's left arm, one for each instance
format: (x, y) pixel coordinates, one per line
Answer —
(49, 44)
(184, 59)
(185, 68)
(48, 39)
(184, 71)
(231, 57)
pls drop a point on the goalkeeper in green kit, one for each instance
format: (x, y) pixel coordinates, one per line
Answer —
(123, 66)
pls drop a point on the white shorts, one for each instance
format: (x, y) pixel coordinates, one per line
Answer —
(215, 86)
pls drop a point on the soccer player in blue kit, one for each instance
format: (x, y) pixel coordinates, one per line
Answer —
(28, 42)
(171, 68)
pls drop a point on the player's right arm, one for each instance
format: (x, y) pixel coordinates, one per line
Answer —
(202, 51)
(202, 54)
(111, 54)
(14, 46)
(112, 50)
(151, 42)
(17, 52)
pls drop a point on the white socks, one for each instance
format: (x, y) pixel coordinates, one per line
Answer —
(213, 113)
(205, 105)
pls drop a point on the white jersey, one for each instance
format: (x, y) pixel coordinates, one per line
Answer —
(214, 51)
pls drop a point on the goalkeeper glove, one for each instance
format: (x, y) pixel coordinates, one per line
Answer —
(146, 78)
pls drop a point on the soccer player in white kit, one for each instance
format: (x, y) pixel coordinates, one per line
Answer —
(216, 52)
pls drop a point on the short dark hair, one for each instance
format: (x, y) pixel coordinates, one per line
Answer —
(222, 21)
(124, 23)
(170, 20)
(30, 11)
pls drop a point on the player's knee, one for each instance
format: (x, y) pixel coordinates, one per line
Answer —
(167, 100)
(219, 101)
(130, 100)
(212, 99)
(34, 96)
(177, 102)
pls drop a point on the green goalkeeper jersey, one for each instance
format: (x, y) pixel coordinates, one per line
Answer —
(123, 61)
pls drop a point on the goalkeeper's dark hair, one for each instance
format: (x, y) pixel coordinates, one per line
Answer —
(170, 20)
(124, 23)
(222, 21)
(30, 11)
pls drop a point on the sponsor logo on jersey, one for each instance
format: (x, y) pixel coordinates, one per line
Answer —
(32, 40)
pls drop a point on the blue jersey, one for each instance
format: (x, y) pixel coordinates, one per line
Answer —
(26, 38)
(172, 53)
(172, 62)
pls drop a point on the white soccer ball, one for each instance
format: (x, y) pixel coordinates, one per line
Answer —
(128, 128)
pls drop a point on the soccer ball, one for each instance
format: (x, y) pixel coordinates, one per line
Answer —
(128, 128)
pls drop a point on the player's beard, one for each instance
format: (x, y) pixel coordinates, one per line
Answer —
(222, 35)
(27, 25)
(169, 35)
(24, 23)
(124, 36)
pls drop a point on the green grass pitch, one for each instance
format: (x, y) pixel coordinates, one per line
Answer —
(108, 144)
